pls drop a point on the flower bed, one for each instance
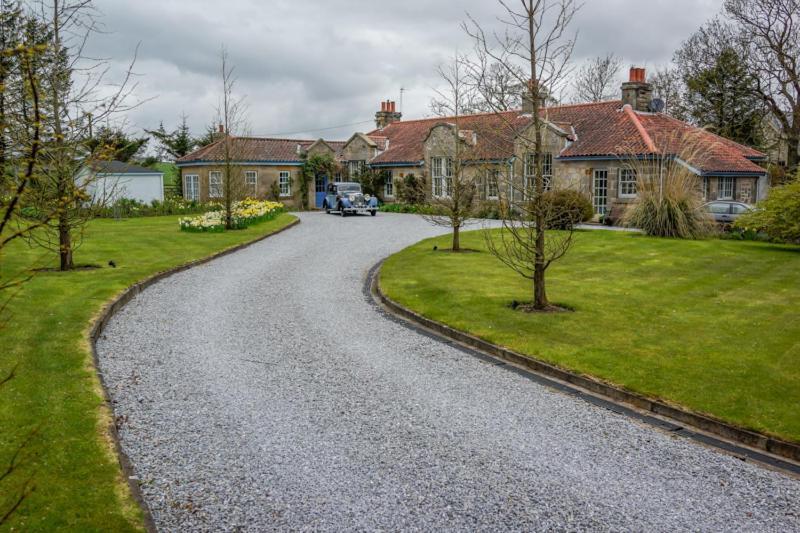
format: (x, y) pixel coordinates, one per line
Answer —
(245, 213)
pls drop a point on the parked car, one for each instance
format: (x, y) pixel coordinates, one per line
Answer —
(347, 198)
(726, 212)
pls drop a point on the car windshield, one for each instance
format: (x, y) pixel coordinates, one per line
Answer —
(349, 187)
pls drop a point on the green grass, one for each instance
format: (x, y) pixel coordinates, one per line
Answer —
(710, 325)
(78, 485)
(170, 172)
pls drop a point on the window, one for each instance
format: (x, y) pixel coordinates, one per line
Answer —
(215, 184)
(442, 172)
(354, 168)
(388, 183)
(492, 187)
(719, 208)
(627, 183)
(285, 183)
(251, 180)
(725, 189)
(705, 188)
(530, 171)
(739, 209)
(600, 191)
(337, 178)
(191, 187)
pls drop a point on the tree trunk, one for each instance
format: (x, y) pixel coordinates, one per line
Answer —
(792, 156)
(64, 244)
(456, 239)
(539, 291)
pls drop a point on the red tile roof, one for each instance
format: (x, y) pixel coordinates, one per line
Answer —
(600, 129)
(256, 149)
(596, 129)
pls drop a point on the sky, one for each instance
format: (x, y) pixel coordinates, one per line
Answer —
(310, 69)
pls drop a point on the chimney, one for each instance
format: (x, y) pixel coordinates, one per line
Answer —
(527, 98)
(387, 114)
(636, 92)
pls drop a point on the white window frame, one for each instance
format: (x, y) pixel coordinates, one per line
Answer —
(285, 183)
(215, 189)
(529, 172)
(627, 180)
(355, 167)
(493, 177)
(442, 176)
(388, 184)
(251, 179)
(195, 194)
(731, 182)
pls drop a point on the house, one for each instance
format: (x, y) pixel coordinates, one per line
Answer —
(265, 167)
(108, 181)
(587, 146)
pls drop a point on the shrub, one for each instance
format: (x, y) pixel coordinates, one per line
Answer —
(416, 209)
(127, 208)
(567, 208)
(411, 189)
(778, 216)
(671, 215)
(245, 213)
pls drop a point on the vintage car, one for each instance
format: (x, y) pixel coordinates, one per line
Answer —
(346, 198)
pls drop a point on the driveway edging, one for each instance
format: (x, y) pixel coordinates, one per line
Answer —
(98, 325)
(737, 441)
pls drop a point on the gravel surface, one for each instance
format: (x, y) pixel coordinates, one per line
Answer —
(263, 391)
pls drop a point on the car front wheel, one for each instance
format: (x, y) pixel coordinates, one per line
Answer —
(373, 212)
(326, 207)
(342, 211)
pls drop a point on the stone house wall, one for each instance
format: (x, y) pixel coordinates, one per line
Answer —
(266, 175)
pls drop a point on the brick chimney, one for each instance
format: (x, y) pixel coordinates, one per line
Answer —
(387, 114)
(636, 92)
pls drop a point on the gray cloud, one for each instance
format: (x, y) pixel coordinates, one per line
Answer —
(308, 65)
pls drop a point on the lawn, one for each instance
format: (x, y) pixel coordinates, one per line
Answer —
(78, 485)
(710, 325)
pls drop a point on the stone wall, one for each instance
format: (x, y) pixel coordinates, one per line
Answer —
(266, 175)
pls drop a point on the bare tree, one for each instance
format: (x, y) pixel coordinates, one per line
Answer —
(596, 80)
(451, 150)
(231, 113)
(668, 85)
(481, 84)
(770, 29)
(535, 41)
(75, 94)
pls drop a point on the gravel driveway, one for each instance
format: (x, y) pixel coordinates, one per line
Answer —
(262, 391)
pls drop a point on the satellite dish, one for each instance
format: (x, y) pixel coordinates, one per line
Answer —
(656, 105)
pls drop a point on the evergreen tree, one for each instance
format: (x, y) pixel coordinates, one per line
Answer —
(177, 143)
(721, 98)
(720, 91)
(113, 143)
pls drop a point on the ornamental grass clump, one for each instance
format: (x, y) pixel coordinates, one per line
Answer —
(668, 200)
(245, 213)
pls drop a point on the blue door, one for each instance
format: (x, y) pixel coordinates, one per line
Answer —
(320, 188)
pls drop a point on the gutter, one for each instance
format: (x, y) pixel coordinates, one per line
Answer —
(274, 162)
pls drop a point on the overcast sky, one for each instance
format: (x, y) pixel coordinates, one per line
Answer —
(308, 66)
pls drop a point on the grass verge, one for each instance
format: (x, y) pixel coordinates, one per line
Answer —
(711, 325)
(77, 481)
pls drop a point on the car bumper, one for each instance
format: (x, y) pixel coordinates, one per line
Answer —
(360, 210)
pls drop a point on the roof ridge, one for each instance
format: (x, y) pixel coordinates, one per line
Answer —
(648, 141)
(581, 104)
